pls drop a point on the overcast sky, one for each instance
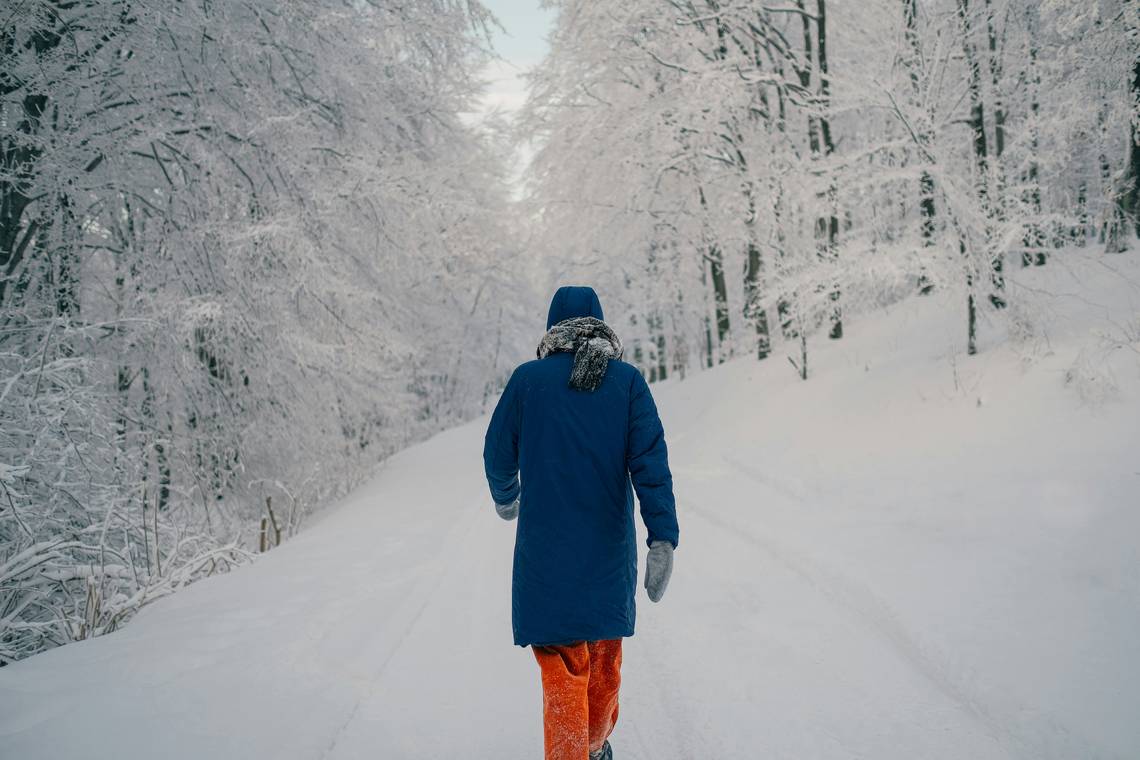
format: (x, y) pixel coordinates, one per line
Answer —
(522, 42)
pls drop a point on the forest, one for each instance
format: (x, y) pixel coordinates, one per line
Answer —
(251, 248)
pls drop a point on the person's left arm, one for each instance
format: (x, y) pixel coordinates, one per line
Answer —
(648, 460)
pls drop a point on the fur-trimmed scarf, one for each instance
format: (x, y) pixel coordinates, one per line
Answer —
(593, 344)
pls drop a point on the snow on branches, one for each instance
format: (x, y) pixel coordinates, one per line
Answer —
(235, 239)
(745, 173)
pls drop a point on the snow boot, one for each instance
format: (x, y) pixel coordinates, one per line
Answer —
(605, 753)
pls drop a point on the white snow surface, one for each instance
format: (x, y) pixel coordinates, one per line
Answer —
(915, 555)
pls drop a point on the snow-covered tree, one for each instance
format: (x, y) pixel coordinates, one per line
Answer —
(805, 160)
(247, 249)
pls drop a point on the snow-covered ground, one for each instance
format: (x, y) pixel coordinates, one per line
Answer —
(913, 555)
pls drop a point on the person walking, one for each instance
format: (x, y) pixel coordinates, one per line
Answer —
(580, 427)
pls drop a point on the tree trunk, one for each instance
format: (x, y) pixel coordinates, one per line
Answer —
(783, 305)
(754, 311)
(997, 191)
(829, 225)
(910, 23)
(158, 443)
(1128, 199)
(803, 355)
(977, 109)
(981, 157)
(659, 344)
(971, 321)
(19, 166)
(1081, 231)
(926, 206)
(720, 300)
(971, 304)
(68, 270)
(926, 211)
(720, 289)
(995, 81)
(804, 73)
(1033, 241)
(709, 362)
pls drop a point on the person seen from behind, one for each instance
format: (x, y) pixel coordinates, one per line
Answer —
(573, 436)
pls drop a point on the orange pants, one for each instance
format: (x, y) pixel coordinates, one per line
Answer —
(579, 696)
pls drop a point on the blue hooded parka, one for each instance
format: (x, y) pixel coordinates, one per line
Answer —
(578, 452)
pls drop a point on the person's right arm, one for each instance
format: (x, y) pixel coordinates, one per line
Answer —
(501, 450)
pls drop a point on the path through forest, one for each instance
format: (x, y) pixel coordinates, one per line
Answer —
(911, 556)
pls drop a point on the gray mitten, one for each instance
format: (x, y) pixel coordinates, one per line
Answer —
(508, 511)
(658, 568)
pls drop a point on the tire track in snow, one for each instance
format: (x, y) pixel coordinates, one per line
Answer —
(634, 728)
(676, 717)
(866, 610)
(426, 590)
(865, 606)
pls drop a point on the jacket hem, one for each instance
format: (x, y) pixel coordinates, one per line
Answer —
(605, 636)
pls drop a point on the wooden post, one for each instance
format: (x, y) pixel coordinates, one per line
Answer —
(264, 527)
(273, 517)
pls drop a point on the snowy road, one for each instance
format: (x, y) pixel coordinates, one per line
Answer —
(875, 564)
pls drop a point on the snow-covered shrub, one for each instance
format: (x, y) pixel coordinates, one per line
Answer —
(1091, 374)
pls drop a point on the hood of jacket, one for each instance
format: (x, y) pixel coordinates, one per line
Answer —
(572, 301)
